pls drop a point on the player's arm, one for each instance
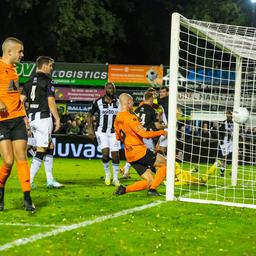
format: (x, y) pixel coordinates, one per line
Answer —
(137, 127)
(23, 98)
(54, 112)
(91, 132)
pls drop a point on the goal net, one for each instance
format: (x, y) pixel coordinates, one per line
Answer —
(211, 158)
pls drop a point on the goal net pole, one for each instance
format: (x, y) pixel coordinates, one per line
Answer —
(237, 98)
(172, 121)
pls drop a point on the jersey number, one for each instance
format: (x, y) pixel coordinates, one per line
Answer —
(33, 93)
(142, 117)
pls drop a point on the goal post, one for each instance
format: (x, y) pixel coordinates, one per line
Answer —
(216, 157)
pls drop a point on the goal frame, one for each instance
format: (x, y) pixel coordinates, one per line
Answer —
(176, 24)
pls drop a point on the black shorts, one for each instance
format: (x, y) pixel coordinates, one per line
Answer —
(144, 163)
(13, 129)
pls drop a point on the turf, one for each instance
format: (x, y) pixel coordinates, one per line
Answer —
(172, 228)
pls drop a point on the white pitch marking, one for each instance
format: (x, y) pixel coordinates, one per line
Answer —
(30, 225)
(62, 229)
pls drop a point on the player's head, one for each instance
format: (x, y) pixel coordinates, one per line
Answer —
(45, 64)
(126, 101)
(13, 50)
(153, 90)
(229, 115)
(148, 98)
(110, 90)
(163, 92)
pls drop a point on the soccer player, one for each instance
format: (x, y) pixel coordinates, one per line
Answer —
(183, 177)
(163, 101)
(39, 93)
(130, 131)
(107, 107)
(148, 119)
(225, 141)
(13, 132)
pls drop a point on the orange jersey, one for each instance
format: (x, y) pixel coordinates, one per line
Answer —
(131, 132)
(9, 93)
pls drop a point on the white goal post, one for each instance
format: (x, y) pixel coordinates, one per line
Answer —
(216, 157)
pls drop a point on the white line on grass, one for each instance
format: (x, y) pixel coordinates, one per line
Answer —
(30, 225)
(62, 229)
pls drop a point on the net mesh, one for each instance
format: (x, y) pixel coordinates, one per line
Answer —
(209, 55)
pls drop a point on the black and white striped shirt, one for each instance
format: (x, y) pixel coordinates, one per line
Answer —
(106, 114)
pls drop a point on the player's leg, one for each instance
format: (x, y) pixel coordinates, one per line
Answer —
(6, 152)
(102, 139)
(114, 148)
(38, 129)
(160, 175)
(48, 166)
(125, 171)
(19, 144)
(144, 168)
(211, 170)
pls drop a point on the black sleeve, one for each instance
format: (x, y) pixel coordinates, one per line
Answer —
(25, 90)
(95, 108)
(50, 89)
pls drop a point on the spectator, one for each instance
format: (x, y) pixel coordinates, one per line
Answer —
(73, 129)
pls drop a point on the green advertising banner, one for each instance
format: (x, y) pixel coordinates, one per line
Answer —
(69, 73)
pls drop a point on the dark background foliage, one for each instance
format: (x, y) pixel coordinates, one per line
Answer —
(114, 31)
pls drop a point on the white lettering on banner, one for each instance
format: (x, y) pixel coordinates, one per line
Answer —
(79, 74)
(76, 150)
(89, 151)
(59, 149)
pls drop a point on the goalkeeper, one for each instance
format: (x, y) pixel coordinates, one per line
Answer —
(185, 177)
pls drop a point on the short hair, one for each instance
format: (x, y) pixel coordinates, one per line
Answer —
(151, 89)
(43, 60)
(10, 40)
(148, 95)
(110, 83)
(165, 88)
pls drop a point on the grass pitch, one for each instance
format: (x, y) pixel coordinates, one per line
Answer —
(172, 228)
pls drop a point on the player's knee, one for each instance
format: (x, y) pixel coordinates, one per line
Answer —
(8, 163)
(49, 151)
(116, 161)
(40, 155)
(105, 159)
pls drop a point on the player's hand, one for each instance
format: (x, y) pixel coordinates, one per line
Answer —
(3, 107)
(165, 133)
(57, 125)
(91, 134)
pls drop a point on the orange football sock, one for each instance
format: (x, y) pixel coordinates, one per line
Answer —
(4, 174)
(159, 177)
(139, 185)
(24, 175)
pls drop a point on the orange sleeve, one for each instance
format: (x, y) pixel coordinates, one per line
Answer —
(137, 127)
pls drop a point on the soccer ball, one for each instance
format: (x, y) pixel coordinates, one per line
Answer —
(241, 115)
(151, 75)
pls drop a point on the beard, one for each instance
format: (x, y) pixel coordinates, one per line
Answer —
(111, 95)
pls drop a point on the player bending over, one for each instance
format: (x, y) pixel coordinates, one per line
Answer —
(130, 131)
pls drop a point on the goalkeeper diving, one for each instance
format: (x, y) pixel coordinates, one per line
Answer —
(183, 177)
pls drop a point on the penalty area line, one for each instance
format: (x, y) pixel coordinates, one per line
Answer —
(62, 229)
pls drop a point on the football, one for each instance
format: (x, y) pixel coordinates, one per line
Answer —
(151, 75)
(241, 115)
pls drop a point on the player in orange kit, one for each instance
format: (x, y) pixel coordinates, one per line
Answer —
(130, 131)
(13, 132)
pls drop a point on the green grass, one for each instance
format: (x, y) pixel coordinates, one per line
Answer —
(172, 228)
